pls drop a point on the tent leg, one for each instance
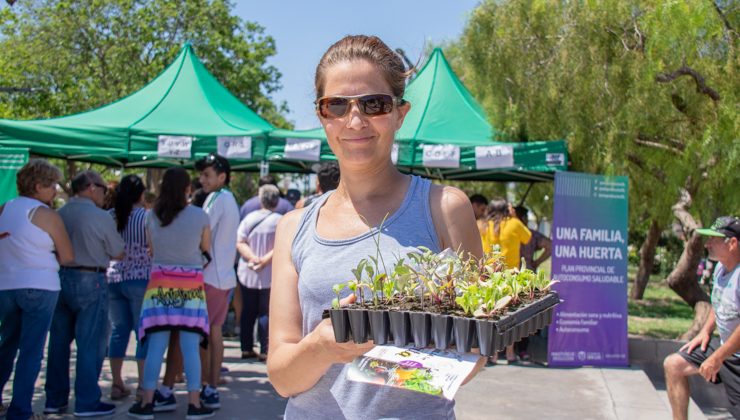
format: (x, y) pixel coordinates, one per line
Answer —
(264, 168)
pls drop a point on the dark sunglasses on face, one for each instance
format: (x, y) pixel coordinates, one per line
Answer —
(369, 105)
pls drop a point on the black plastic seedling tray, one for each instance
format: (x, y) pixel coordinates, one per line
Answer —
(423, 329)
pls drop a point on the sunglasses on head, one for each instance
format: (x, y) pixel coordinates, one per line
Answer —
(369, 105)
(211, 159)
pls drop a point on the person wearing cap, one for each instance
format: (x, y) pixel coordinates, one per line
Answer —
(81, 313)
(220, 276)
(698, 356)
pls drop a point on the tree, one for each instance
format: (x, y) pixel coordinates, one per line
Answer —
(78, 55)
(643, 88)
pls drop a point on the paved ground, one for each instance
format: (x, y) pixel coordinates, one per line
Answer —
(525, 391)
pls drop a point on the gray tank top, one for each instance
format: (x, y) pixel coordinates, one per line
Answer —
(321, 263)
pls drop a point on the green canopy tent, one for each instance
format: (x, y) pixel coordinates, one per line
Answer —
(184, 105)
(446, 135)
(11, 160)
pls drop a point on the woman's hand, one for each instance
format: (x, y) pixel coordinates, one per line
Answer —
(337, 352)
(323, 335)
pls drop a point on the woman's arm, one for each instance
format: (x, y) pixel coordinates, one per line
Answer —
(49, 221)
(264, 261)
(245, 251)
(205, 239)
(296, 363)
(454, 220)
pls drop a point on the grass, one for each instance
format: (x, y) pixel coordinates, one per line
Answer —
(661, 313)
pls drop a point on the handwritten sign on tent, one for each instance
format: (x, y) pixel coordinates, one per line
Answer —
(490, 157)
(303, 149)
(555, 159)
(177, 147)
(441, 156)
(235, 147)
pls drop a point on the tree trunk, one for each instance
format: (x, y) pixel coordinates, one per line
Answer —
(647, 259)
(70, 170)
(683, 277)
(153, 178)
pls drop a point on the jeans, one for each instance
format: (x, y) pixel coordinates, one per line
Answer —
(157, 344)
(126, 298)
(25, 317)
(255, 307)
(82, 315)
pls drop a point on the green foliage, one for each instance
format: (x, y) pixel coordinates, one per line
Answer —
(79, 55)
(448, 280)
(616, 79)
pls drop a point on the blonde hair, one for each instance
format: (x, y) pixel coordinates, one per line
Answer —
(36, 171)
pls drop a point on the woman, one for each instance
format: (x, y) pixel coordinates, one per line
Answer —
(509, 233)
(255, 243)
(178, 235)
(33, 243)
(359, 84)
(127, 280)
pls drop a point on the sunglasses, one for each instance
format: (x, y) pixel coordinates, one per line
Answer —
(369, 105)
(211, 160)
(101, 186)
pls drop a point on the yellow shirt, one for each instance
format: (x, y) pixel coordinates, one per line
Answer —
(512, 234)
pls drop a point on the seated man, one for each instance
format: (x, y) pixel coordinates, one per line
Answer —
(698, 356)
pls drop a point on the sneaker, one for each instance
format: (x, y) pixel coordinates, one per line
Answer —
(56, 410)
(198, 412)
(145, 412)
(103, 409)
(210, 400)
(162, 403)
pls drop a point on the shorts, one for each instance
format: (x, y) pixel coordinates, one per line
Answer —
(729, 373)
(217, 302)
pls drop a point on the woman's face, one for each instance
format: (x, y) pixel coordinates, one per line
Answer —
(358, 140)
(46, 193)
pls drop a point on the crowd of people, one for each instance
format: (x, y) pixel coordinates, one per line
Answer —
(169, 267)
(108, 263)
(169, 274)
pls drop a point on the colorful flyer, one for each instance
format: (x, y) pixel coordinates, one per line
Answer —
(435, 372)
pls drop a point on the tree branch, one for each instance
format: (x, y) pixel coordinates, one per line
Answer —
(722, 16)
(642, 141)
(701, 85)
(640, 163)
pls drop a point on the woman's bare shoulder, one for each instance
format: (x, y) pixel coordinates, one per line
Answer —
(448, 201)
(288, 224)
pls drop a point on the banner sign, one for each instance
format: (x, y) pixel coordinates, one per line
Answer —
(303, 149)
(490, 157)
(235, 147)
(11, 160)
(177, 147)
(441, 156)
(589, 259)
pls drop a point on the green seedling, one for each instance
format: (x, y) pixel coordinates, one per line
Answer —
(337, 289)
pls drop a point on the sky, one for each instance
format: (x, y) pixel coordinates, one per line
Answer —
(303, 30)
